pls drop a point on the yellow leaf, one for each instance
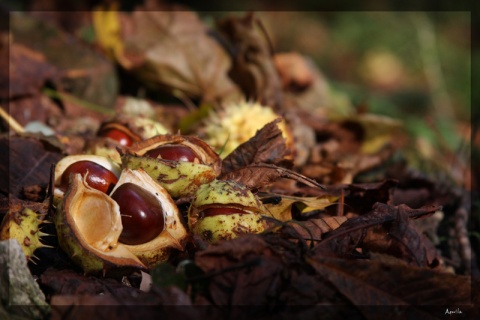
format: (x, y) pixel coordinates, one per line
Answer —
(107, 27)
(283, 210)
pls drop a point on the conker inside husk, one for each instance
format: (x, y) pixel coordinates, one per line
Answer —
(175, 152)
(223, 210)
(142, 215)
(123, 138)
(97, 176)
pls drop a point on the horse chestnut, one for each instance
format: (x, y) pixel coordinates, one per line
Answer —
(215, 211)
(121, 137)
(142, 215)
(223, 210)
(98, 177)
(173, 152)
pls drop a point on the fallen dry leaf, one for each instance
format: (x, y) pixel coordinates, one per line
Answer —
(267, 146)
(253, 68)
(282, 208)
(399, 238)
(31, 158)
(83, 73)
(27, 72)
(370, 283)
(174, 51)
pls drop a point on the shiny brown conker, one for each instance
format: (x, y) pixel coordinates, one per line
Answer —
(118, 135)
(142, 214)
(98, 177)
(174, 152)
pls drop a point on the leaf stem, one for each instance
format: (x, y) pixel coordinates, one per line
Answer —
(12, 123)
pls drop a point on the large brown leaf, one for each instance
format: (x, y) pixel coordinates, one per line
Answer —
(267, 146)
(28, 162)
(172, 50)
(400, 238)
(272, 270)
(371, 283)
(309, 232)
(385, 229)
(265, 270)
(262, 174)
(262, 160)
(253, 68)
(69, 282)
(27, 72)
(82, 71)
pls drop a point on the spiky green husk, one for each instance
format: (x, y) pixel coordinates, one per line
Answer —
(91, 260)
(225, 194)
(24, 226)
(98, 253)
(236, 123)
(226, 227)
(178, 178)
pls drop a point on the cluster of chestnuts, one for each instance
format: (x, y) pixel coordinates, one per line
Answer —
(120, 212)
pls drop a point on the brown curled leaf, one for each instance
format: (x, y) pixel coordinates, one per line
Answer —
(262, 174)
(372, 283)
(253, 68)
(172, 50)
(385, 229)
(267, 146)
(310, 231)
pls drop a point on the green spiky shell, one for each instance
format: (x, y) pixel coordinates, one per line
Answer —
(236, 123)
(139, 128)
(103, 147)
(227, 227)
(179, 178)
(100, 253)
(136, 127)
(225, 194)
(24, 226)
(89, 225)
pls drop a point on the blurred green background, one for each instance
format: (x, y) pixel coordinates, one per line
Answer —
(412, 66)
(400, 56)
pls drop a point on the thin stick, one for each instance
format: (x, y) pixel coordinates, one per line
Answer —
(13, 124)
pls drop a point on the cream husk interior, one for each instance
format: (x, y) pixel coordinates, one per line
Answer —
(96, 217)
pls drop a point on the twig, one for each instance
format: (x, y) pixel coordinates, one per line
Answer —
(12, 123)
